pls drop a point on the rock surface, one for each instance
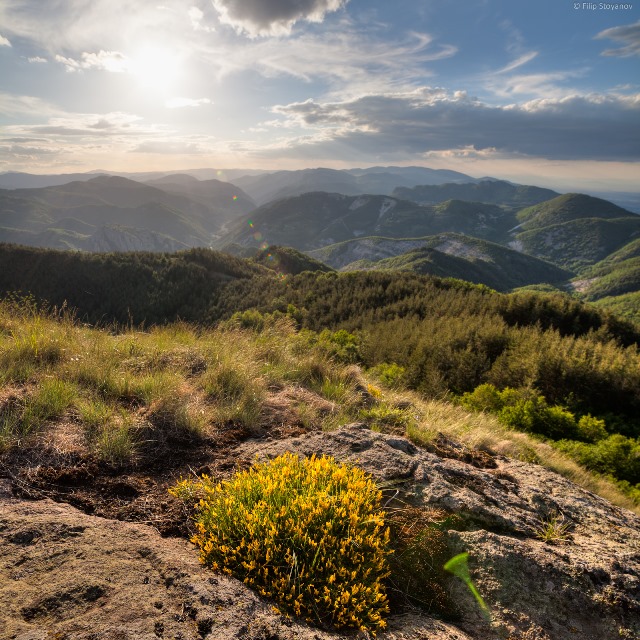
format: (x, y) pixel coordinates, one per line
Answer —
(65, 574)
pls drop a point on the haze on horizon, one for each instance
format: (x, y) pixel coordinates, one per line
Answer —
(543, 92)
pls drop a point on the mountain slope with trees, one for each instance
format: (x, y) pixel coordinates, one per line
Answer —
(479, 261)
(314, 220)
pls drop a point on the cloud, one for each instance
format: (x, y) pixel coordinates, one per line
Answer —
(627, 35)
(196, 16)
(4, 42)
(112, 61)
(30, 152)
(76, 128)
(273, 17)
(12, 105)
(68, 27)
(544, 85)
(596, 127)
(349, 61)
(177, 103)
(168, 147)
(522, 60)
(37, 60)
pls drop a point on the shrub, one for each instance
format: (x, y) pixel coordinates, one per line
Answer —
(525, 410)
(308, 534)
(341, 345)
(591, 429)
(615, 455)
(484, 397)
(385, 418)
(390, 374)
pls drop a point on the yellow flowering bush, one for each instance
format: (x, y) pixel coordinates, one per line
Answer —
(307, 533)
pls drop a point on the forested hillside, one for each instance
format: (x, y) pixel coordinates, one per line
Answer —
(447, 335)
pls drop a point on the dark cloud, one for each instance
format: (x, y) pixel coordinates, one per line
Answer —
(593, 127)
(262, 17)
(628, 36)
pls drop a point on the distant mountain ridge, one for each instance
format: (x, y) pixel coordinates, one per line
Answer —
(373, 181)
(567, 208)
(317, 219)
(574, 230)
(488, 191)
(42, 216)
(317, 210)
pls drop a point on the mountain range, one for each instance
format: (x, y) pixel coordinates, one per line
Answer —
(445, 223)
(80, 214)
(264, 188)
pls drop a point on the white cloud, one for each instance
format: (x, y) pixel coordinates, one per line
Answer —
(520, 61)
(273, 17)
(171, 147)
(197, 18)
(79, 128)
(349, 61)
(550, 84)
(112, 61)
(628, 36)
(4, 42)
(67, 27)
(37, 60)
(12, 105)
(177, 103)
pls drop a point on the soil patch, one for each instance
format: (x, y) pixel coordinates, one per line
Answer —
(137, 492)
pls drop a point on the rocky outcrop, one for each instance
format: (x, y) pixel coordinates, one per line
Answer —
(66, 574)
(587, 585)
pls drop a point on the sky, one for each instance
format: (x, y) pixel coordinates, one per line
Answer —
(540, 92)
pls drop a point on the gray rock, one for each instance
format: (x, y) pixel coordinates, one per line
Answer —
(67, 574)
(589, 585)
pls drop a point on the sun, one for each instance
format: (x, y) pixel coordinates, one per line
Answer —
(155, 68)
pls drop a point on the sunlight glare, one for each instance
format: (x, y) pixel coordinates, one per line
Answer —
(155, 68)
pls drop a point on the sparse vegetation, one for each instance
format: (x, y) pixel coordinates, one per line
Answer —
(554, 529)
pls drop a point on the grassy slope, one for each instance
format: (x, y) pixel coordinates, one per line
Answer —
(120, 397)
(451, 335)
